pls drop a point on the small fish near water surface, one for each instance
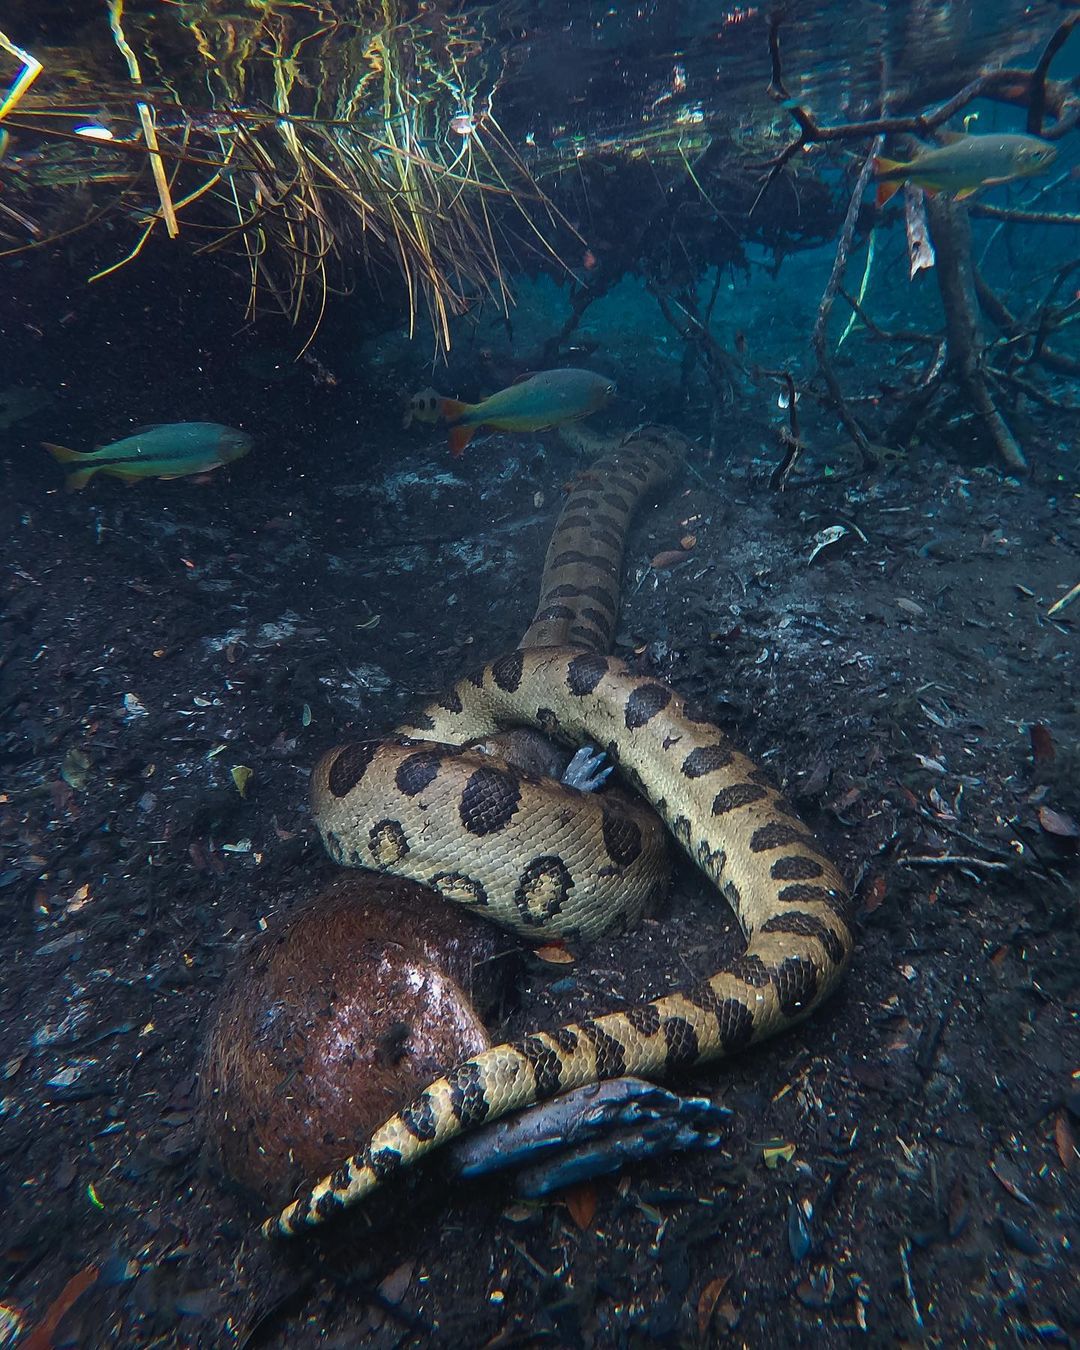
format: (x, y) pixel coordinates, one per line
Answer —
(175, 450)
(533, 403)
(963, 164)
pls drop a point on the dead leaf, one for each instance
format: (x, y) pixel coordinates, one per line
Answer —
(728, 1314)
(875, 894)
(1057, 823)
(581, 1202)
(774, 1154)
(1008, 1174)
(556, 956)
(396, 1284)
(1042, 744)
(76, 769)
(958, 1212)
(1065, 1141)
(710, 1296)
(670, 557)
(43, 1335)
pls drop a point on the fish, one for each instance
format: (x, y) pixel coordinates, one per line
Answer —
(964, 164)
(173, 450)
(423, 407)
(532, 403)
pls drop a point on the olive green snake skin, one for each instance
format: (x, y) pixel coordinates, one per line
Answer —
(787, 896)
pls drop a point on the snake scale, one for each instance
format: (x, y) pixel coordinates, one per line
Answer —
(789, 899)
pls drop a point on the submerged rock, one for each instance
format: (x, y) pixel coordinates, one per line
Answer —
(336, 1017)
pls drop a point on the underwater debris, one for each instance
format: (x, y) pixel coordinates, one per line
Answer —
(1066, 599)
(920, 249)
(43, 1335)
(799, 1238)
(1042, 744)
(826, 538)
(1058, 823)
(580, 1201)
(772, 1155)
(134, 708)
(554, 955)
(1065, 1141)
(75, 770)
(669, 558)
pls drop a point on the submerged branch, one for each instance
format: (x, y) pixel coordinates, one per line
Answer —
(819, 340)
(999, 314)
(1019, 216)
(1028, 88)
(951, 231)
(1037, 101)
(720, 366)
(888, 334)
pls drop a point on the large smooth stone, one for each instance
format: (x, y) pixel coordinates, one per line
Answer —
(337, 1017)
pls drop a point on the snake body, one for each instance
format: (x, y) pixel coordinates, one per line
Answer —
(787, 896)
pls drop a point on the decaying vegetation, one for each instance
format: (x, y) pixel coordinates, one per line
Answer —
(305, 141)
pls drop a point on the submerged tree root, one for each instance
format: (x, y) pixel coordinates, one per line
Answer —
(950, 229)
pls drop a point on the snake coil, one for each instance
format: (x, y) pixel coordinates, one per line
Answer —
(373, 799)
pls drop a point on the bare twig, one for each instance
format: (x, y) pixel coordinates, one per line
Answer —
(580, 300)
(953, 860)
(720, 366)
(998, 313)
(889, 334)
(1030, 390)
(1024, 87)
(1021, 217)
(819, 341)
(790, 440)
(1066, 599)
(1037, 100)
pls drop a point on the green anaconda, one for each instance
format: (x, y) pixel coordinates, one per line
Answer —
(370, 801)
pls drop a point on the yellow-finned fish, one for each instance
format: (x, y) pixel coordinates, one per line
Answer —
(531, 404)
(171, 451)
(964, 164)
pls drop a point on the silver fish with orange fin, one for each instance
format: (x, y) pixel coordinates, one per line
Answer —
(533, 403)
(964, 164)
